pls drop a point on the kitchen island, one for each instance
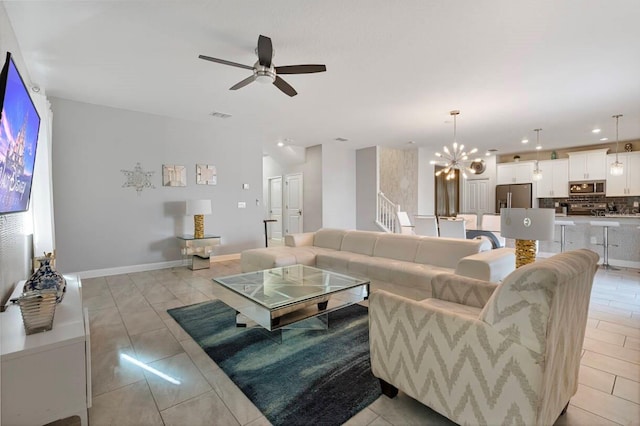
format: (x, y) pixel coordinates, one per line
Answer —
(624, 241)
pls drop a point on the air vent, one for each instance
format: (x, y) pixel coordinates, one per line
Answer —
(220, 114)
(341, 139)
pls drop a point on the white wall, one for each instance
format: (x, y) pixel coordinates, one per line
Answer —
(99, 224)
(367, 183)
(338, 187)
(426, 185)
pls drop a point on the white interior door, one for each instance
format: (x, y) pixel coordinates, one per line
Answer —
(275, 207)
(293, 203)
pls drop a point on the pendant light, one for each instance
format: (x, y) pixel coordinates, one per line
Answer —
(537, 173)
(617, 168)
(452, 160)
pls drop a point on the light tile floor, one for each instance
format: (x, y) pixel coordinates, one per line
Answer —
(129, 322)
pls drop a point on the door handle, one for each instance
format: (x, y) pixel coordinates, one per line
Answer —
(300, 212)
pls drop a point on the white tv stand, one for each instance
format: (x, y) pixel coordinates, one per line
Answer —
(46, 376)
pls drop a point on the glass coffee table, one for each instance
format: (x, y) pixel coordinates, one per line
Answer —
(284, 297)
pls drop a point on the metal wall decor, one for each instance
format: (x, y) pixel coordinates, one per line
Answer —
(138, 179)
(173, 175)
(206, 174)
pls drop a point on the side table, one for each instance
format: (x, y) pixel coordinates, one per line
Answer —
(199, 249)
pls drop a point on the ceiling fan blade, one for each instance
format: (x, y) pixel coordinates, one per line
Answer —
(265, 51)
(300, 69)
(243, 83)
(284, 86)
(222, 61)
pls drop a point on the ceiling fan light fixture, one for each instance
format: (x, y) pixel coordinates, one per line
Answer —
(616, 168)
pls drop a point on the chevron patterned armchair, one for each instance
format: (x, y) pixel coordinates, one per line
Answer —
(480, 353)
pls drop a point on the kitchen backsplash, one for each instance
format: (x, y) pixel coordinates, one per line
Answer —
(623, 205)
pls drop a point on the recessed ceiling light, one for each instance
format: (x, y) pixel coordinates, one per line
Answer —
(411, 142)
(596, 131)
(604, 139)
(539, 147)
(281, 144)
(487, 154)
(525, 140)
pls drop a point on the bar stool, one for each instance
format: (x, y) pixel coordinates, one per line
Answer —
(605, 240)
(563, 224)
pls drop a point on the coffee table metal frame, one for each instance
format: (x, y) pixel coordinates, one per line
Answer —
(281, 297)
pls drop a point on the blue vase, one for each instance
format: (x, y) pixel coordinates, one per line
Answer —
(47, 278)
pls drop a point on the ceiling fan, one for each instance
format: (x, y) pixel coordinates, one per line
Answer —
(264, 71)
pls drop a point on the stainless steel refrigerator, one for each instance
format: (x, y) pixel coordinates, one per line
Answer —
(513, 196)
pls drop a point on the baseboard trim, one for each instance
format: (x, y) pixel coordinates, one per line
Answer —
(147, 267)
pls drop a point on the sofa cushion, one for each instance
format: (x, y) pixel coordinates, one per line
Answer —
(446, 252)
(337, 260)
(329, 238)
(398, 247)
(274, 257)
(362, 242)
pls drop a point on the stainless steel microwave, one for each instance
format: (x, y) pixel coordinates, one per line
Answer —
(597, 187)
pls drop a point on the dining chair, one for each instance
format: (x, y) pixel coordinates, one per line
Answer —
(426, 225)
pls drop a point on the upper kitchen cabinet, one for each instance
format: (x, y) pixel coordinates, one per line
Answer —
(628, 183)
(518, 172)
(588, 165)
(555, 179)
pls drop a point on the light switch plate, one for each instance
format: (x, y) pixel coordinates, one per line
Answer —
(245, 186)
(242, 205)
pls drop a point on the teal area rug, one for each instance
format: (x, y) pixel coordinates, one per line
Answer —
(312, 377)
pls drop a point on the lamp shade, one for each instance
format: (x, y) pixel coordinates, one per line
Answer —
(198, 207)
(527, 224)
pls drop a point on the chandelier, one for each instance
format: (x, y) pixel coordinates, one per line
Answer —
(617, 168)
(537, 173)
(453, 159)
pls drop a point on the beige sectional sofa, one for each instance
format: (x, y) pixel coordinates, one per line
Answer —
(401, 264)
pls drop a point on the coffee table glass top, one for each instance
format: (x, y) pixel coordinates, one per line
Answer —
(278, 287)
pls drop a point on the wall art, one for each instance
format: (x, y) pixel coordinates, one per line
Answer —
(173, 175)
(206, 174)
(138, 179)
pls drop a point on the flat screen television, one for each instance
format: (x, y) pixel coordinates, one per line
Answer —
(19, 126)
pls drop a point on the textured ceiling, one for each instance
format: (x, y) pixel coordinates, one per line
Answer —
(394, 68)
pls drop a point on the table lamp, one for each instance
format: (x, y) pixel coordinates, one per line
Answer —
(527, 227)
(198, 208)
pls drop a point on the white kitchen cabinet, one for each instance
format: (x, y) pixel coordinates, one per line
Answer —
(46, 376)
(475, 196)
(627, 184)
(555, 179)
(588, 165)
(517, 172)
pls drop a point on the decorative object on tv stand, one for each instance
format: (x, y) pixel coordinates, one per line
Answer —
(628, 147)
(138, 179)
(206, 174)
(174, 175)
(198, 208)
(617, 168)
(537, 173)
(453, 160)
(47, 278)
(38, 309)
(527, 227)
